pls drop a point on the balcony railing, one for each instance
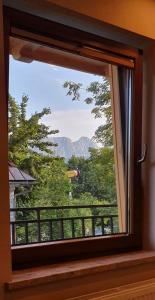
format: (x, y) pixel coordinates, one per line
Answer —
(45, 224)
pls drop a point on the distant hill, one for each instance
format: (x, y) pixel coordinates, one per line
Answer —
(66, 147)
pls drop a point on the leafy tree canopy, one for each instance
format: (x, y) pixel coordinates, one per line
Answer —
(27, 136)
(97, 175)
(30, 150)
(100, 96)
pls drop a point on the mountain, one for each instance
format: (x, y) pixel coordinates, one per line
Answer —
(66, 147)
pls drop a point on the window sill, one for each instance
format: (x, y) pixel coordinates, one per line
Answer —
(68, 270)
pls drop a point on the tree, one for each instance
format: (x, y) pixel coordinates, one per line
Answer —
(100, 96)
(27, 136)
(30, 150)
(54, 185)
(97, 175)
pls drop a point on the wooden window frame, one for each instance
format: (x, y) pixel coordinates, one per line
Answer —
(26, 256)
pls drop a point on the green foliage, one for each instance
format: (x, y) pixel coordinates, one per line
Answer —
(27, 136)
(100, 96)
(54, 185)
(73, 89)
(97, 175)
(30, 151)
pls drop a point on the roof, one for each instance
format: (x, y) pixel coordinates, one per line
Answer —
(17, 175)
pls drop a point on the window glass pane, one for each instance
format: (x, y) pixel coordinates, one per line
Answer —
(69, 145)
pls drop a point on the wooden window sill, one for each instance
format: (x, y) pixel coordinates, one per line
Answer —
(57, 272)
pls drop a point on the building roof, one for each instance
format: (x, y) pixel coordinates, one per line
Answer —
(18, 176)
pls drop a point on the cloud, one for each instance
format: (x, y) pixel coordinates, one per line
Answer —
(73, 123)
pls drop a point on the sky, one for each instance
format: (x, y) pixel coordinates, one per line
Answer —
(43, 83)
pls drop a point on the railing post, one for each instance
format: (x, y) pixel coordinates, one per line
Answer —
(13, 233)
(51, 230)
(93, 226)
(111, 225)
(26, 233)
(73, 228)
(102, 223)
(83, 227)
(38, 225)
(62, 229)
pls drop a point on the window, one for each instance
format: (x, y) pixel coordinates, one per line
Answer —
(95, 203)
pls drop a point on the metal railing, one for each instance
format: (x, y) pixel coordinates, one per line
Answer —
(45, 224)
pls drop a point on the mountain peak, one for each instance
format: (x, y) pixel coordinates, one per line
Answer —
(67, 148)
